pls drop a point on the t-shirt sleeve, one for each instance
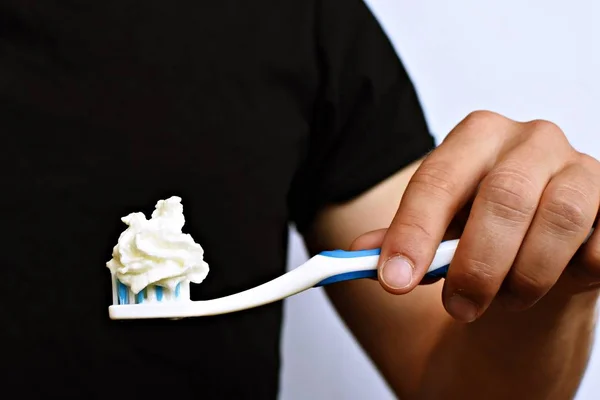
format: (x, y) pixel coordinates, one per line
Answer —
(368, 122)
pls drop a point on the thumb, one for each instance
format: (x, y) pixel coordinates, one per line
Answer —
(373, 240)
(369, 240)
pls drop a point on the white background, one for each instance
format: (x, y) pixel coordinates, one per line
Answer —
(525, 59)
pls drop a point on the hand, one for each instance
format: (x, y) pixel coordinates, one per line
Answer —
(531, 201)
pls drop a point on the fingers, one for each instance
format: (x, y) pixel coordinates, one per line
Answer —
(501, 215)
(535, 200)
(439, 188)
(562, 222)
(586, 270)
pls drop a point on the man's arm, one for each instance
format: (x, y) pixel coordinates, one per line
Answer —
(423, 353)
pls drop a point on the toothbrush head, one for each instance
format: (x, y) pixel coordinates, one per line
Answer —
(151, 294)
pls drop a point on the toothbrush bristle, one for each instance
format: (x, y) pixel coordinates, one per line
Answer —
(139, 298)
(122, 294)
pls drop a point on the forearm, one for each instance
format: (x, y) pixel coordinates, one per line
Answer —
(541, 353)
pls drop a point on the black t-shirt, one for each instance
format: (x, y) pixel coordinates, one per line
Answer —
(256, 113)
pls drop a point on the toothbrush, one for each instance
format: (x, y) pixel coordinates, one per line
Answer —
(323, 269)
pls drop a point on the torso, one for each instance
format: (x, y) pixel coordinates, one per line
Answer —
(107, 108)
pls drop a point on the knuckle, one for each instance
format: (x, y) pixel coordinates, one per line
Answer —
(436, 178)
(564, 212)
(480, 121)
(414, 226)
(506, 193)
(545, 136)
(587, 160)
(591, 166)
(542, 129)
(527, 287)
(483, 118)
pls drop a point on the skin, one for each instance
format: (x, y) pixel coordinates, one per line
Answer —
(515, 315)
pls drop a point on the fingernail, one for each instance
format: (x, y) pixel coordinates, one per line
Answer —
(462, 309)
(397, 272)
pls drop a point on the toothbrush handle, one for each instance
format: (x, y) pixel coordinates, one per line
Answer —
(368, 260)
(437, 269)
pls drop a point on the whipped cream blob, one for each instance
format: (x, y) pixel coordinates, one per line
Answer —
(156, 252)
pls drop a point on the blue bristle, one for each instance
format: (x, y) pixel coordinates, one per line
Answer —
(123, 293)
(139, 298)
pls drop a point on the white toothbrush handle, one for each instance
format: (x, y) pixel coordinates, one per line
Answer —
(325, 268)
(295, 281)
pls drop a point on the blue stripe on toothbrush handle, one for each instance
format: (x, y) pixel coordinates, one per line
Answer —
(348, 276)
(350, 254)
(438, 273)
(372, 274)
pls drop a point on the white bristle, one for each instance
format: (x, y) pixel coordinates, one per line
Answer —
(115, 299)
